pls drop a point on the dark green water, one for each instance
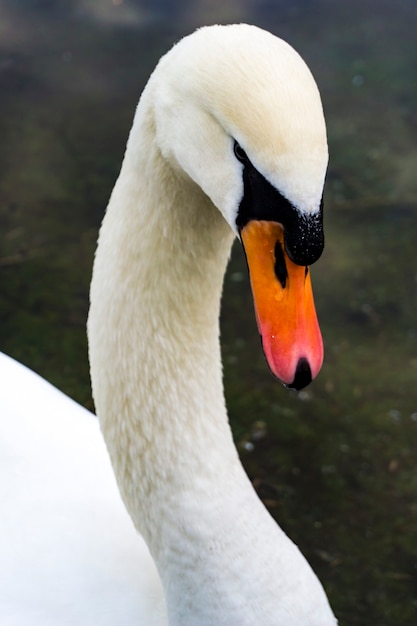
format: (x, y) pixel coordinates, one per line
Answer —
(336, 464)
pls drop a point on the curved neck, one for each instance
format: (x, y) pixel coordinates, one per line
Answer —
(156, 372)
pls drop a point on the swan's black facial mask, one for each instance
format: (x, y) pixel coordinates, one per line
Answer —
(279, 243)
(303, 234)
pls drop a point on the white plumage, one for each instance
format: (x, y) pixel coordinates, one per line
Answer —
(68, 551)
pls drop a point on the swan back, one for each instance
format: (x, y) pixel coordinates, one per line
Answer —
(69, 553)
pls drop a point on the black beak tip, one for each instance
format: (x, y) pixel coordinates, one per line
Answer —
(302, 376)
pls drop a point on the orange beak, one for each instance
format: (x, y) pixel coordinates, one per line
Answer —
(284, 305)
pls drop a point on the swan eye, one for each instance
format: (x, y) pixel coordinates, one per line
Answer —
(240, 154)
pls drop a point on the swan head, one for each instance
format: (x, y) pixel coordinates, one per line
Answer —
(237, 111)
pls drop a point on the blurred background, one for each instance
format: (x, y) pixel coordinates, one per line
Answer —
(334, 463)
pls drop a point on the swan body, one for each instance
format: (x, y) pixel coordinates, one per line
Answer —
(228, 138)
(69, 553)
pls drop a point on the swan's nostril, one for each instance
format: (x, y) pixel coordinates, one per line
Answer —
(302, 376)
(280, 267)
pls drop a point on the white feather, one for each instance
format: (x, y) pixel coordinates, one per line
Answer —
(68, 551)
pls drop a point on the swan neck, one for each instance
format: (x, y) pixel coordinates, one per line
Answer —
(157, 382)
(154, 331)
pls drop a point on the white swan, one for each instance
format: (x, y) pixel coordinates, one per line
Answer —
(229, 137)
